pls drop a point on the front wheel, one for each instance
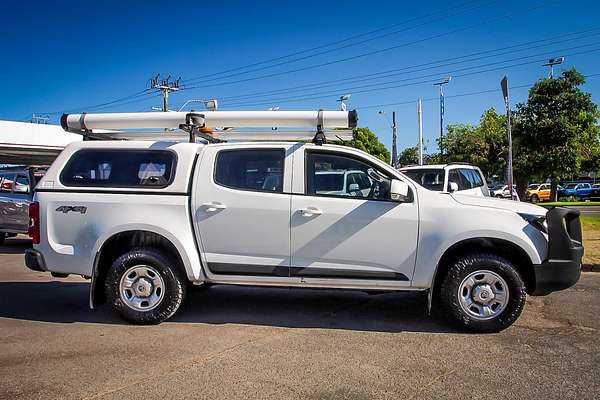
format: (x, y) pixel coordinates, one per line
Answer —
(144, 286)
(2, 238)
(535, 199)
(483, 292)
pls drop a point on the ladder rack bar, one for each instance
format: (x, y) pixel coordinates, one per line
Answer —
(211, 119)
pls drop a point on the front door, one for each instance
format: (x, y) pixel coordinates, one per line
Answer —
(343, 226)
(242, 210)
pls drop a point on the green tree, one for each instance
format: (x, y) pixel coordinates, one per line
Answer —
(555, 131)
(484, 145)
(408, 156)
(367, 140)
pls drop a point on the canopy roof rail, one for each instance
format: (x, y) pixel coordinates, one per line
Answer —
(327, 125)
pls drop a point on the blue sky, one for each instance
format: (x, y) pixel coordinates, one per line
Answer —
(67, 55)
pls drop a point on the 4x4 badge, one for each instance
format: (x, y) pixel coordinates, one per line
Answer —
(66, 209)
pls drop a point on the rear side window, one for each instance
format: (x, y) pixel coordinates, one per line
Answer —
(120, 168)
(251, 169)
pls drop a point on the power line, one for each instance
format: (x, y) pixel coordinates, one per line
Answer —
(404, 70)
(444, 13)
(371, 88)
(370, 53)
(406, 102)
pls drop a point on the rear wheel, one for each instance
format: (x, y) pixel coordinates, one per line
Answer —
(483, 292)
(535, 198)
(144, 286)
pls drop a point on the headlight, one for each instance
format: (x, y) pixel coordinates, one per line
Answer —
(538, 221)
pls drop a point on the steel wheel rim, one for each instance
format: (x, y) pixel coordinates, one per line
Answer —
(141, 288)
(483, 295)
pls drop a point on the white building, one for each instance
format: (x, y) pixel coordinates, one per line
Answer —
(25, 143)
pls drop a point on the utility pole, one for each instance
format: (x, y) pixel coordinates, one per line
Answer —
(394, 139)
(420, 113)
(165, 86)
(509, 164)
(551, 63)
(441, 86)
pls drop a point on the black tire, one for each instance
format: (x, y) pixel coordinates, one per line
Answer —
(535, 199)
(467, 265)
(2, 238)
(174, 286)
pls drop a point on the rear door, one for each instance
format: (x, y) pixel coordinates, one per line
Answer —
(241, 208)
(358, 235)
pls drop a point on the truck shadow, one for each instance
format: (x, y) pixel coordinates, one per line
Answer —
(67, 302)
(16, 245)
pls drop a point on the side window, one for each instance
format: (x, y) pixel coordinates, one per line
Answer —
(326, 174)
(544, 187)
(120, 168)
(251, 169)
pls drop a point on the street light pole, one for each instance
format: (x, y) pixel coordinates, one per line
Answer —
(420, 112)
(394, 139)
(551, 63)
(394, 161)
(509, 163)
(441, 86)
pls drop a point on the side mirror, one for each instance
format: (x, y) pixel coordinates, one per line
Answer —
(453, 187)
(399, 190)
(353, 187)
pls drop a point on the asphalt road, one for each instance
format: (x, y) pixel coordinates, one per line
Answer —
(244, 343)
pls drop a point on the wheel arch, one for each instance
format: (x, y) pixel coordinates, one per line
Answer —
(117, 244)
(514, 253)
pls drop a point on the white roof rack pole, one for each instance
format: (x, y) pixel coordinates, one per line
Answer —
(247, 119)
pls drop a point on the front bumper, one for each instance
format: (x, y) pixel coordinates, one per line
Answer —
(565, 249)
(34, 260)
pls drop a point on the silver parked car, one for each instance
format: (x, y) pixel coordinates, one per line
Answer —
(16, 192)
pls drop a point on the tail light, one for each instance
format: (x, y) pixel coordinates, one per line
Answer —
(34, 222)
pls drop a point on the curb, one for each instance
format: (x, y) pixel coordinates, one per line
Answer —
(590, 267)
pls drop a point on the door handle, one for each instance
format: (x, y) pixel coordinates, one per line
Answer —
(310, 211)
(212, 207)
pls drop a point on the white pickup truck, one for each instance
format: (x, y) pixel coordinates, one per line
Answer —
(146, 219)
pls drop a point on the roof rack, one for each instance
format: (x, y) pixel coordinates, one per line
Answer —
(179, 126)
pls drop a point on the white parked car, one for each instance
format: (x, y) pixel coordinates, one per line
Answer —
(501, 192)
(143, 219)
(453, 177)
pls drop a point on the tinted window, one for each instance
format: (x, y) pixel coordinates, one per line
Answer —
(432, 179)
(337, 175)
(120, 168)
(256, 169)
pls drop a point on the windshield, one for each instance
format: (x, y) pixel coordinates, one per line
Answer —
(533, 187)
(571, 186)
(429, 178)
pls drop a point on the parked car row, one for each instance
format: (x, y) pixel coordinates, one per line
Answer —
(15, 195)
